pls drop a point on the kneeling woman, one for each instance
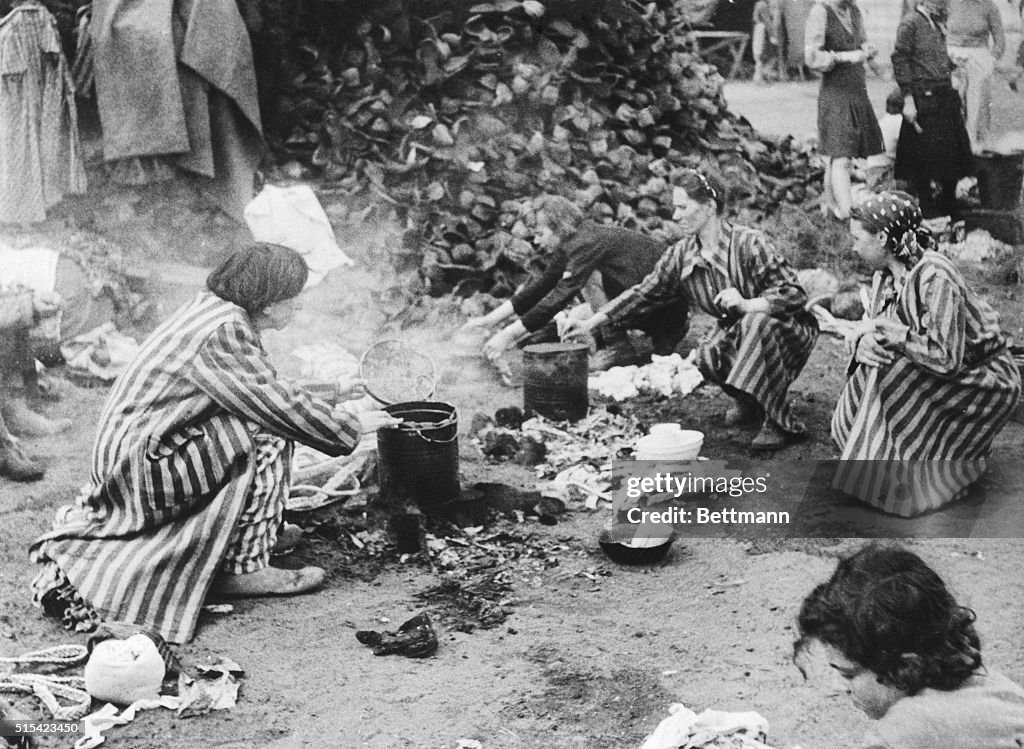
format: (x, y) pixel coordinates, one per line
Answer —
(931, 382)
(763, 336)
(191, 463)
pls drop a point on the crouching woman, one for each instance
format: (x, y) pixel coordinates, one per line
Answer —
(190, 467)
(931, 382)
(763, 336)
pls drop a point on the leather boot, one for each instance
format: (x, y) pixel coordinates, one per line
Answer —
(16, 465)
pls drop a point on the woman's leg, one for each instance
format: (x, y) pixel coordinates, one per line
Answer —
(842, 194)
(246, 569)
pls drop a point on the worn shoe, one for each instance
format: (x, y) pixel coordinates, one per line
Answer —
(415, 638)
(771, 437)
(17, 466)
(270, 581)
(25, 422)
(742, 413)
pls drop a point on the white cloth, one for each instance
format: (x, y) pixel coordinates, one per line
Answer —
(684, 728)
(125, 671)
(34, 267)
(977, 66)
(292, 216)
(107, 717)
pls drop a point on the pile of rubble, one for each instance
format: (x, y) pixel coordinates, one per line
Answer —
(461, 127)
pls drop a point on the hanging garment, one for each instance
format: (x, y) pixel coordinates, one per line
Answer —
(175, 79)
(40, 159)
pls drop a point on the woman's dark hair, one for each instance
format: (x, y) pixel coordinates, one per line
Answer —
(888, 611)
(704, 184)
(258, 276)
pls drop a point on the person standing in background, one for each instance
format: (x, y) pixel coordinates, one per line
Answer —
(971, 26)
(759, 38)
(934, 152)
(837, 47)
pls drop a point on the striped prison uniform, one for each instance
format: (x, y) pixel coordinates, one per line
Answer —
(759, 355)
(914, 434)
(189, 470)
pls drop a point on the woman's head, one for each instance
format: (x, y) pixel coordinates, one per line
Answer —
(886, 612)
(558, 218)
(888, 226)
(697, 196)
(259, 277)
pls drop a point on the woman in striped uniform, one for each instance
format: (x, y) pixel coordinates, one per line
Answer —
(763, 336)
(931, 382)
(191, 463)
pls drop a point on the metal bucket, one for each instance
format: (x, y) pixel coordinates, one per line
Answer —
(419, 459)
(999, 180)
(555, 380)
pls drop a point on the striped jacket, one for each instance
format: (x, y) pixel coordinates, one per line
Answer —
(173, 463)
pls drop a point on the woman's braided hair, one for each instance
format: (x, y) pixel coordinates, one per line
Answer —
(888, 611)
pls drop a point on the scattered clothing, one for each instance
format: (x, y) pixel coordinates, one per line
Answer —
(685, 729)
(938, 406)
(40, 158)
(196, 103)
(758, 355)
(415, 638)
(192, 434)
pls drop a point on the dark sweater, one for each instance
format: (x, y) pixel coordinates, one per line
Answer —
(622, 257)
(920, 60)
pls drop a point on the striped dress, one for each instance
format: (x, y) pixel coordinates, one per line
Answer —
(758, 355)
(193, 439)
(915, 434)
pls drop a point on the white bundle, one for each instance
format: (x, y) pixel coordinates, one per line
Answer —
(125, 671)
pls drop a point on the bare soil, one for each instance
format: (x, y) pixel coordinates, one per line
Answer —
(581, 652)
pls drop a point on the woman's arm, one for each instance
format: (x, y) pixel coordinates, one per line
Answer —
(934, 336)
(235, 372)
(995, 28)
(772, 275)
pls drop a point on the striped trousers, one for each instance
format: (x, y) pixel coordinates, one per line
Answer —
(759, 356)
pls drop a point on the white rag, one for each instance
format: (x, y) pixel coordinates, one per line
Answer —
(293, 217)
(34, 267)
(107, 717)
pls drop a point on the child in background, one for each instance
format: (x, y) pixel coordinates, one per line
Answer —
(880, 166)
(909, 655)
(759, 38)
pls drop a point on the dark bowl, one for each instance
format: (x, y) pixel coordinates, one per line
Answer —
(621, 553)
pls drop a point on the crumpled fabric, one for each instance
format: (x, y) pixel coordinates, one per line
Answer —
(103, 352)
(665, 375)
(685, 729)
(107, 717)
(292, 216)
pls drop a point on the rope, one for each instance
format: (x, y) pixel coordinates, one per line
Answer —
(62, 655)
(48, 688)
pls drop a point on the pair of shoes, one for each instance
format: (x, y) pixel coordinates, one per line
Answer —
(771, 437)
(25, 422)
(414, 639)
(17, 466)
(287, 538)
(270, 581)
(619, 355)
(742, 413)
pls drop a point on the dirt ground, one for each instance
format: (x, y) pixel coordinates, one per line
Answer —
(586, 654)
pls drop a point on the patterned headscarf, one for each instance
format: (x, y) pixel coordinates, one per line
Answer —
(899, 217)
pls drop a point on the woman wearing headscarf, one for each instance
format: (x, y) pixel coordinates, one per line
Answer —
(191, 463)
(933, 152)
(763, 336)
(931, 382)
(837, 47)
